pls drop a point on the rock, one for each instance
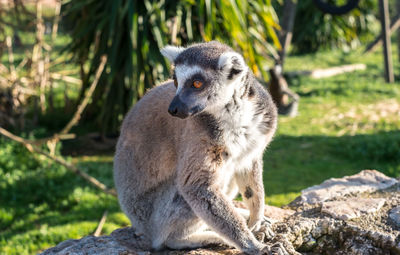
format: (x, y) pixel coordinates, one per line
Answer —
(394, 215)
(276, 213)
(272, 212)
(358, 215)
(116, 243)
(352, 208)
(365, 181)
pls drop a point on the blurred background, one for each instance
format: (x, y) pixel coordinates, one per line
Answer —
(70, 70)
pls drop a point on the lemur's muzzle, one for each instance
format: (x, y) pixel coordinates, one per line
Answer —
(183, 109)
(178, 109)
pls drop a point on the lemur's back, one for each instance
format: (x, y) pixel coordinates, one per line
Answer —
(147, 131)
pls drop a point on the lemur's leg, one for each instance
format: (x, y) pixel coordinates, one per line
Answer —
(175, 225)
(232, 189)
(252, 190)
(195, 240)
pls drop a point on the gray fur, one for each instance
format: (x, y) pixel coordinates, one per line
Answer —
(175, 177)
(205, 55)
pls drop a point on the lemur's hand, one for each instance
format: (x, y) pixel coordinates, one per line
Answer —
(279, 246)
(276, 249)
(266, 250)
(263, 230)
(279, 249)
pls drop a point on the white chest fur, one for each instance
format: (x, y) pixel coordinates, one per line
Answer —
(241, 135)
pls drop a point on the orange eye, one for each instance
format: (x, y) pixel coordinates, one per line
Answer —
(197, 84)
(175, 83)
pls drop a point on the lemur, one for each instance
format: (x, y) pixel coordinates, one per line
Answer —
(189, 146)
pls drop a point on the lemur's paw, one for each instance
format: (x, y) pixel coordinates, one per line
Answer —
(264, 233)
(266, 251)
(279, 249)
(281, 246)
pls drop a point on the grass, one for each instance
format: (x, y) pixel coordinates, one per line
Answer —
(346, 123)
(43, 204)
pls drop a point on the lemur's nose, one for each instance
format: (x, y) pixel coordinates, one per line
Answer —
(173, 110)
(178, 109)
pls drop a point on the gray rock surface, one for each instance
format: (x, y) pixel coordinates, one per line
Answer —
(352, 207)
(116, 243)
(394, 215)
(353, 215)
(365, 181)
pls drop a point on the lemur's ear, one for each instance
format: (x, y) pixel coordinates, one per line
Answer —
(232, 64)
(171, 52)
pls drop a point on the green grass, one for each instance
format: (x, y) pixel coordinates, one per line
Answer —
(346, 123)
(43, 204)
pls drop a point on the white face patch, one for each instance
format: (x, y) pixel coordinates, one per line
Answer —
(184, 72)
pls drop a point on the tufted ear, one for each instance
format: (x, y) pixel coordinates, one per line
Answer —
(231, 64)
(171, 52)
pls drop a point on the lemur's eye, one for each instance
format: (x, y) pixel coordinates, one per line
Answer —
(176, 83)
(197, 84)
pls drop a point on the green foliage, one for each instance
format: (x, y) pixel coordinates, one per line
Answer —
(13, 20)
(314, 30)
(43, 204)
(131, 33)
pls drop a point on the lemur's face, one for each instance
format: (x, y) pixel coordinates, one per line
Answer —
(205, 77)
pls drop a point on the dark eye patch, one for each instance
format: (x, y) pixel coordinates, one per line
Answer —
(196, 77)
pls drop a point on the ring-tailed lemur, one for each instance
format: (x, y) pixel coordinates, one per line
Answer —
(189, 146)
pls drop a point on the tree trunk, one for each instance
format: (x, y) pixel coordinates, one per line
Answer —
(387, 49)
(285, 35)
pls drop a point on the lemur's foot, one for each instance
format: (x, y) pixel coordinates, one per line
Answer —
(266, 250)
(264, 233)
(281, 246)
(279, 249)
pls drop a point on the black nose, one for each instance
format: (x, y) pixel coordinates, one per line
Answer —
(173, 110)
(178, 109)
